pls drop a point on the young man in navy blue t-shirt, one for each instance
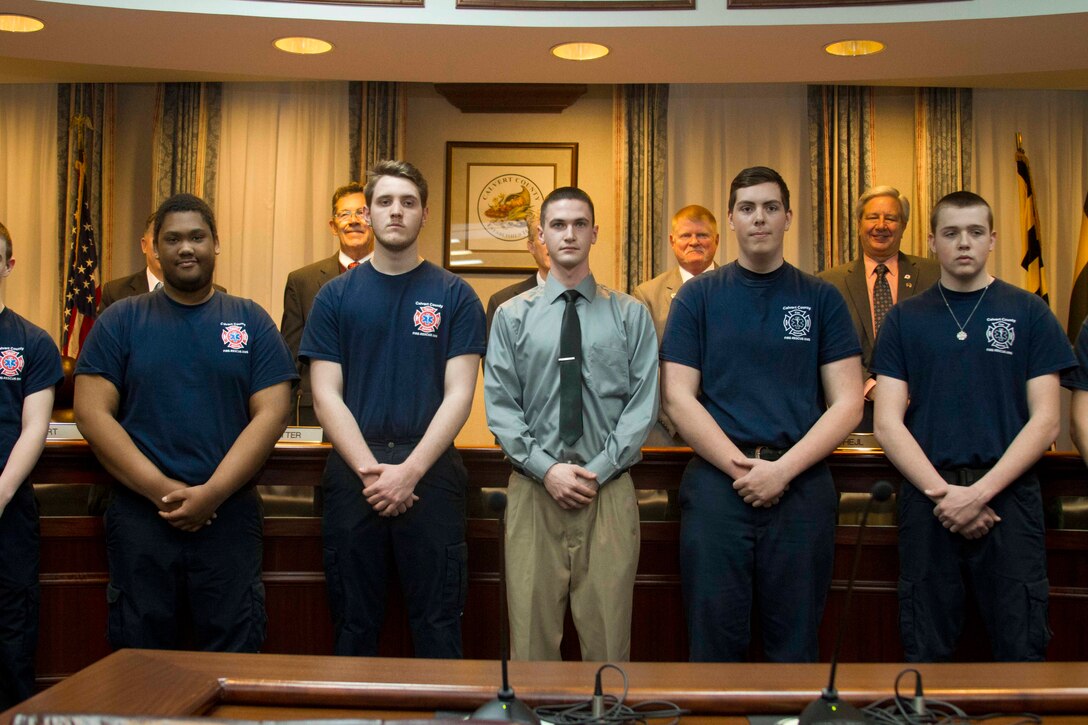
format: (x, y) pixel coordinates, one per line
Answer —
(182, 394)
(967, 401)
(761, 374)
(394, 347)
(29, 372)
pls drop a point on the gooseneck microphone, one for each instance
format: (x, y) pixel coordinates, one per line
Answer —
(829, 708)
(506, 706)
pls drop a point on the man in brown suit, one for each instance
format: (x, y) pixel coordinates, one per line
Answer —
(356, 240)
(694, 240)
(882, 214)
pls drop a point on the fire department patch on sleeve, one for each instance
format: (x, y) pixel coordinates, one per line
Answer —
(11, 362)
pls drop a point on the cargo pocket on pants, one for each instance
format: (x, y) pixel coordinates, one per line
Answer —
(258, 617)
(334, 586)
(907, 621)
(455, 589)
(115, 621)
(1039, 633)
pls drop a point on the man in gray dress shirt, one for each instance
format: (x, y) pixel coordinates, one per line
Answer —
(572, 522)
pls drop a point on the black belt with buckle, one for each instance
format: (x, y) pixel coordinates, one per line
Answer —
(962, 476)
(763, 453)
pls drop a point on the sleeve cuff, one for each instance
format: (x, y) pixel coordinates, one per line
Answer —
(537, 465)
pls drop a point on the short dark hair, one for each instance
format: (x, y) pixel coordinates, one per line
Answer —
(567, 192)
(346, 190)
(6, 236)
(754, 176)
(183, 203)
(150, 222)
(400, 169)
(960, 200)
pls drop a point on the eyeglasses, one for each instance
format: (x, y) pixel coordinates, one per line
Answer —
(348, 215)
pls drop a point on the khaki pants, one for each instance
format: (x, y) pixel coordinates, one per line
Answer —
(589, 555)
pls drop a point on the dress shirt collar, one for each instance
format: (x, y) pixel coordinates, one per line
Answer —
(553, 288)
(345, 260)
(686, 276)
(892, 264)
(152, 280)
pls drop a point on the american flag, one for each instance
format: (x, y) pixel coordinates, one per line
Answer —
(81, 290)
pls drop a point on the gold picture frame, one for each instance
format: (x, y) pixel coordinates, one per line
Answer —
(491, 188)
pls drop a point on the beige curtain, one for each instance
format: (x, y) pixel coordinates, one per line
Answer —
(840, 121)
(717, 130)
(283, 153)
(28, 188)
(1053, 125)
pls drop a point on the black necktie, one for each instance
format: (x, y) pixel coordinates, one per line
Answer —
(882, 297)
(570, 372)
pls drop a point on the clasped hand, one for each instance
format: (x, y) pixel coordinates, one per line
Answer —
(763, 484)
(572, 486)
(389, 488)
(962, 511)
(190, 508)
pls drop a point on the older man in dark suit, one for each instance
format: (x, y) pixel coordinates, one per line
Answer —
(883, 275)
(356, 244)
(543, 264)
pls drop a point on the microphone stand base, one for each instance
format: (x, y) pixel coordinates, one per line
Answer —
(830, 710)
(506, 707)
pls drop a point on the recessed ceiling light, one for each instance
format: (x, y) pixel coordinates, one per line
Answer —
(580, 51)
(854, 48)
(20, 24)
(302, 45)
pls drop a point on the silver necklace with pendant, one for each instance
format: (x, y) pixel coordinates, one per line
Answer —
(962, 335)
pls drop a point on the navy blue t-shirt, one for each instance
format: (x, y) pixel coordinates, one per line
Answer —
(968, 398)
(759, 341)
(1077, 378)
(29, 362)
(392, 336)
(186, 374)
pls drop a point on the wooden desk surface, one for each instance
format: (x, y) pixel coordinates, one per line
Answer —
(156, 683)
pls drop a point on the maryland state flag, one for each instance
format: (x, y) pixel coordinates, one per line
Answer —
(1029, 226)
(1078, 300)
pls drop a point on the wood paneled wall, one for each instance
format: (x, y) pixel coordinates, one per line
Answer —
(74, 571)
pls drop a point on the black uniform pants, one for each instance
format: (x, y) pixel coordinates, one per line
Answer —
(732, 555)
(1005, 570)
(426, 544)
(19, 596)
(156, 571)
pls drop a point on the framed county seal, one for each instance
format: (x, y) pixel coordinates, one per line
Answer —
(493, 193)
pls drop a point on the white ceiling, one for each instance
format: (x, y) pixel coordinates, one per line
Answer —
(980, 43)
